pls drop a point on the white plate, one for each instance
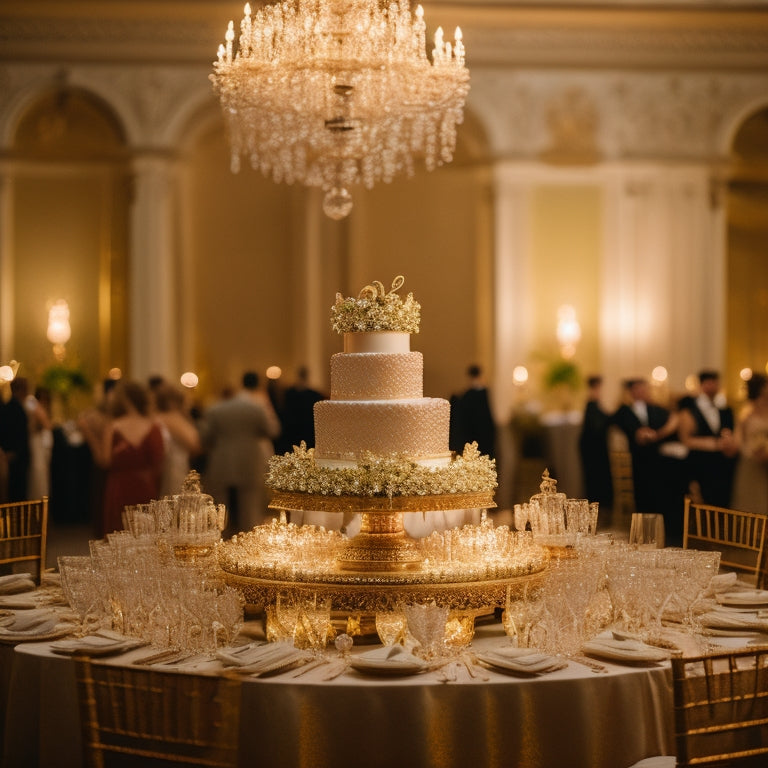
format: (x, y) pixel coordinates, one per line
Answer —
(751, 597)
(733, 620)
(15, 583)
(624, 650)
(525, 664)
(61, 630)
(388, 660)
(94, 645)
(386, 666)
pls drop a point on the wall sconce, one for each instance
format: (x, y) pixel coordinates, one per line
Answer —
(8, 372)
(568, 331)
(189, 379)
(59, 330)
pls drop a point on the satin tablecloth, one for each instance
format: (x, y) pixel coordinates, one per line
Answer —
(572, 718)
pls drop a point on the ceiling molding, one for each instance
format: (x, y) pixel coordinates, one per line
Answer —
(692, 35)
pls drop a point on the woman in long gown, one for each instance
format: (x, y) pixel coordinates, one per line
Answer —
(131, 450)
(180, 435)
(40, 443)
(750, 491)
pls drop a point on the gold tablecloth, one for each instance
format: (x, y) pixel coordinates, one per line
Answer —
(572, 718)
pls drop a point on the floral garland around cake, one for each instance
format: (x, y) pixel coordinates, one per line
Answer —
(297, 472)
(376, 310)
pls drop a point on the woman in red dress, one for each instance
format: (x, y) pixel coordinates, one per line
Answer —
(131, 450)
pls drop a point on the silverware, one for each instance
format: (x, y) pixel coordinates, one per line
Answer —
(595, 666)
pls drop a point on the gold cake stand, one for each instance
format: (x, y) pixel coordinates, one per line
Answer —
(382, 545)
(382, 566)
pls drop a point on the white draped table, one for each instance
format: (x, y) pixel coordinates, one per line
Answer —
(571, 718)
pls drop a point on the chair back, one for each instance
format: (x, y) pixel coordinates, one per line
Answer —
(24, 533)
(620, 461)
(136, 716)
(721, 708)
(740, 537)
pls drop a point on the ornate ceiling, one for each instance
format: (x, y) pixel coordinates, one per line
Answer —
(688, 34)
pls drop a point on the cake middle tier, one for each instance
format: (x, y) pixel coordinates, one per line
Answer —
(416, 428)
(377, 376)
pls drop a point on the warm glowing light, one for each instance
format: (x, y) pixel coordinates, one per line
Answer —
(6, 373)
(59, 330)
(115, 374)
(659, 374)
(745, 374)
(520, 374)
(568, 330)
(691, 382)
(189, 379)
(274, 372)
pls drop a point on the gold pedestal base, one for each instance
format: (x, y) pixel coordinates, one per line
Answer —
(381, 545)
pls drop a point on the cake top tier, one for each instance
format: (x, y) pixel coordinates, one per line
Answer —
(376, 310)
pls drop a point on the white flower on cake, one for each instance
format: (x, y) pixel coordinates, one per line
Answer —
(297, 472)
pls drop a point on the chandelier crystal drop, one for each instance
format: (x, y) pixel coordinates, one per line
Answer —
(333, 93)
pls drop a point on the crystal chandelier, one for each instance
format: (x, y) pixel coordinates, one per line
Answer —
(332, 93)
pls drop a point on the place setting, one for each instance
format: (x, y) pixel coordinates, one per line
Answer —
(16, 583)
(527, 662)
(625, 649)
(100, 644)
(34, 625)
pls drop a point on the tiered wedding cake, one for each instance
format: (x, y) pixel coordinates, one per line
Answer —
(377, 405)
(378, 436)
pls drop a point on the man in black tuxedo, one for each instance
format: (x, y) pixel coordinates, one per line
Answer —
(14, 440)
(593, 447)
(471, 417)
(706, 429)
(646, 425)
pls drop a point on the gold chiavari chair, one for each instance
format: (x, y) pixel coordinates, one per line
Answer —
(24, 533)
(136, 716)
(721, 709)
(740, 537)
(620, 461)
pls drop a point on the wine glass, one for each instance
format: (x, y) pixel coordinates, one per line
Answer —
(426, 624)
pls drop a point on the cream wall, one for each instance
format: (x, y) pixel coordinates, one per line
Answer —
(239, 256)
(567, 247)
(428, 229)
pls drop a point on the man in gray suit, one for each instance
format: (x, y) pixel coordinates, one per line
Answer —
(236, 434)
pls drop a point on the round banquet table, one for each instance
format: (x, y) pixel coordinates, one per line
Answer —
(571, 718)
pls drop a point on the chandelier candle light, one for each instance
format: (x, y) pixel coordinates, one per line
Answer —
(332, 93)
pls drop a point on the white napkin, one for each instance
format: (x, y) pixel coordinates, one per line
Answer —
(36, 622)
(14, 583)
(390, 653)
(17, 603)
(264, 658)
(97, 645)
(722, 618)
(624, 649)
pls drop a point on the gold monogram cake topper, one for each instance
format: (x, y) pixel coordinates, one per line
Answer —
(375, 309)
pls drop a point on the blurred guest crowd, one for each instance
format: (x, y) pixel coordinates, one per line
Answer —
(139, 440)
(697, 447)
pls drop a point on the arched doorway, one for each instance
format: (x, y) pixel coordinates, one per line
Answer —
(747, 233)
(70, 190)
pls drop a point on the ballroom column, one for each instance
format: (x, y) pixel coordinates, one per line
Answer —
(154, 332)
(512, 289)
(6, 267)
(663, 288)
(312, 332)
